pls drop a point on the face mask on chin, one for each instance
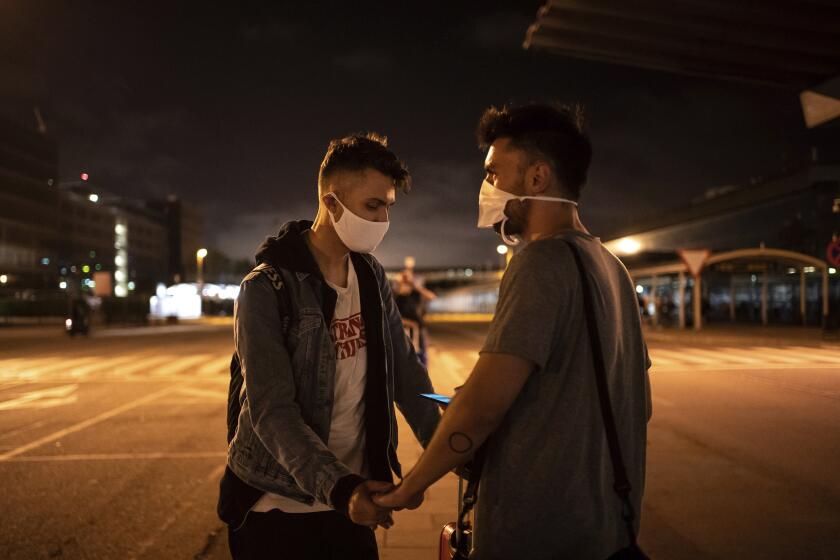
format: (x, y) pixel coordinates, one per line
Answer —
(491, 209)
(357, 234)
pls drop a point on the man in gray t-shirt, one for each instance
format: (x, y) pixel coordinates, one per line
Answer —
(546, 490)
(548, 481)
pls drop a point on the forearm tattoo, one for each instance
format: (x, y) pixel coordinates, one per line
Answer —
(460, 442)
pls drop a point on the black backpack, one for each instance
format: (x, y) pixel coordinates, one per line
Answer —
(236, 379)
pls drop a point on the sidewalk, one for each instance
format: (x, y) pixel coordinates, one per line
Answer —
(25, 331)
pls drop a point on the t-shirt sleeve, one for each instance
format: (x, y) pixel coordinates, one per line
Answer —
(531, 298)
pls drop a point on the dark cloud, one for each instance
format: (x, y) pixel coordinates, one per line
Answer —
(503, 29)
(233, 109)
(270, 32)
(365, 60)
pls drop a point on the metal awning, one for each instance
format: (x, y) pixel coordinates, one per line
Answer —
(787, 43)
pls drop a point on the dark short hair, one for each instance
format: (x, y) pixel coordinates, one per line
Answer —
(553, 132)
(358, 152)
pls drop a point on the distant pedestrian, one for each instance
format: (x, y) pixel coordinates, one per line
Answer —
(411, 298)
(547, 487)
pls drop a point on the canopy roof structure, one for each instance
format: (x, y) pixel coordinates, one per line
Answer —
(787, 43)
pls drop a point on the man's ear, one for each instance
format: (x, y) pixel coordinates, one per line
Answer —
(538, 177)
(331, 204)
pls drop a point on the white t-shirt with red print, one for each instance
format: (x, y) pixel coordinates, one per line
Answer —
(347, 427)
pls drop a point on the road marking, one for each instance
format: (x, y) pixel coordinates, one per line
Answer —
(181, 364)
(148, 363)
(663, 402)
(448, 365)
(681, 357)
(119, 457)
(212, 367)
(43, 398)
(57, 364)
(89, 422)
(11, 365)
(780, 355)
(819, 354)
(691, 368)
(26, 428)
(725, 355)
(656, 359)
(204, 393)
(159, 330)
(102, 365)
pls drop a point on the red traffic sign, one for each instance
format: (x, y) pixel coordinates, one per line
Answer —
(832, 252)
(694, 259)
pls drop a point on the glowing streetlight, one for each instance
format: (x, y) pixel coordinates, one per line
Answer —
(3, 278)
(505, 251)
(628, 246)
(199, 264)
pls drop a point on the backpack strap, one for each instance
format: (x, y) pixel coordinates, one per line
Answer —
(236, 379)
(283, 301)
(621, 484)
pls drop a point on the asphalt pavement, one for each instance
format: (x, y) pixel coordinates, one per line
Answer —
(111, 446)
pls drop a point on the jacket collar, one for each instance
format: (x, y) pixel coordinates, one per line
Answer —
(288, 249)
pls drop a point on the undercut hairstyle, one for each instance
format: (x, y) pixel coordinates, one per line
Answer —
(358, 152)
(550, 132)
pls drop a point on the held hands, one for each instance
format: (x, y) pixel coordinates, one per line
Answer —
(399, 497)
(362, 507)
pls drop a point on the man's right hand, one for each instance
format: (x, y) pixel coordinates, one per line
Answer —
(362, 509)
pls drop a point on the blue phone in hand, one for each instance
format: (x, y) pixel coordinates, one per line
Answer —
(440, 399)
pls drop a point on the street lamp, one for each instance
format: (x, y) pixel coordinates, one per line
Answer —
(505, 251)
(199, 264)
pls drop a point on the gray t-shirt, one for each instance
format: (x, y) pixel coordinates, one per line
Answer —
(547, 486)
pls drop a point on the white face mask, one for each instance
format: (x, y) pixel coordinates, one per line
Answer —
(357, 234)
(491, 207)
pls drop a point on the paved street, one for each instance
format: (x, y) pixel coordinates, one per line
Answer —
(111, 447)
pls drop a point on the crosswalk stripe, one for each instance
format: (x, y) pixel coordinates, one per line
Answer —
(102, 366)
(59, 365)
(725, 355)
(780, 355)
(819, 354)
(145, 364)
(30, 399)
(12, 365)
(682, 358)
(180, 364)
(6, 455)
(657, 360)
(447, 363)
(203, 393)
(214, 366)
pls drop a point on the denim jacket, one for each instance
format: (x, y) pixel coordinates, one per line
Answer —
(287, 395)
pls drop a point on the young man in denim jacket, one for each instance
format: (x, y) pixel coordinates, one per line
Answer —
(324, 359)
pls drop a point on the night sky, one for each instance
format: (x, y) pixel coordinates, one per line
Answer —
(232, 108)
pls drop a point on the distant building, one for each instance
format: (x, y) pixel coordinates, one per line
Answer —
(57, 236)
(767, 254)
(30, 232)
(185, 225)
